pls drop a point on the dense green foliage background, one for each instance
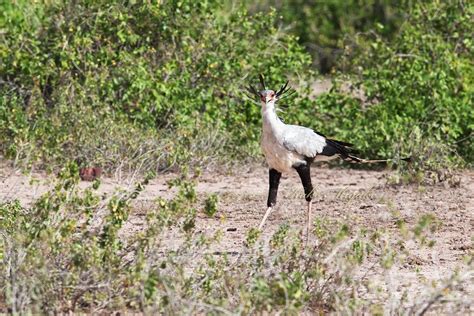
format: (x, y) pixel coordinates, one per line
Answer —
(130, 83)
(73, 73)
(327, 29)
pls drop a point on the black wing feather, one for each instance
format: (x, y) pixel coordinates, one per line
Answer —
(336, 147)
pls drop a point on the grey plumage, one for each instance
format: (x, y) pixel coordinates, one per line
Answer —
(286, 146)
(289, 147)
(303, 141)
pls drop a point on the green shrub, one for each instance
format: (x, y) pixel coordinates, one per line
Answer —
(330, 28)
(148, 86)
(417, 90)
(71, 71)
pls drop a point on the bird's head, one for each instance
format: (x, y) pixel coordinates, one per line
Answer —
(267, 96)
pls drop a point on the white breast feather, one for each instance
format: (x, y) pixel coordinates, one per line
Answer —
(277, 156)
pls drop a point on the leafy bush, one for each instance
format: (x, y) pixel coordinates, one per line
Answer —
(71, 71)
(328, 28)
(417, 91)
(137, 85)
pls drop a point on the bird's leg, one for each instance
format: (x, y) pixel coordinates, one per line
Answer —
(274, 177)
(304, 171)
(308, 223)
(267, 213)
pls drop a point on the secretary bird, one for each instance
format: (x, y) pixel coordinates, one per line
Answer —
(288, 147)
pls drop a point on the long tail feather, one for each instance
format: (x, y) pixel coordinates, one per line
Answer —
(344, 150)
(355, 159)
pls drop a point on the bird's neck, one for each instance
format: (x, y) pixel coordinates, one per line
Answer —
(269, 117)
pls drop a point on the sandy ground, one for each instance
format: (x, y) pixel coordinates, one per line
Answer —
(359, 197)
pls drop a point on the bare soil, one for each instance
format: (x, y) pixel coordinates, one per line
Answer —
(359, 197)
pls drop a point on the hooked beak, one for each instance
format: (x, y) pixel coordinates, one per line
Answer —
(268, 98)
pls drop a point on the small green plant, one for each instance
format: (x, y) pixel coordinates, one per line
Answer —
(252, 236)
(210, 206)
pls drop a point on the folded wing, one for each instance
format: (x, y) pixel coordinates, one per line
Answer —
(303, 141)
(309, 143)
